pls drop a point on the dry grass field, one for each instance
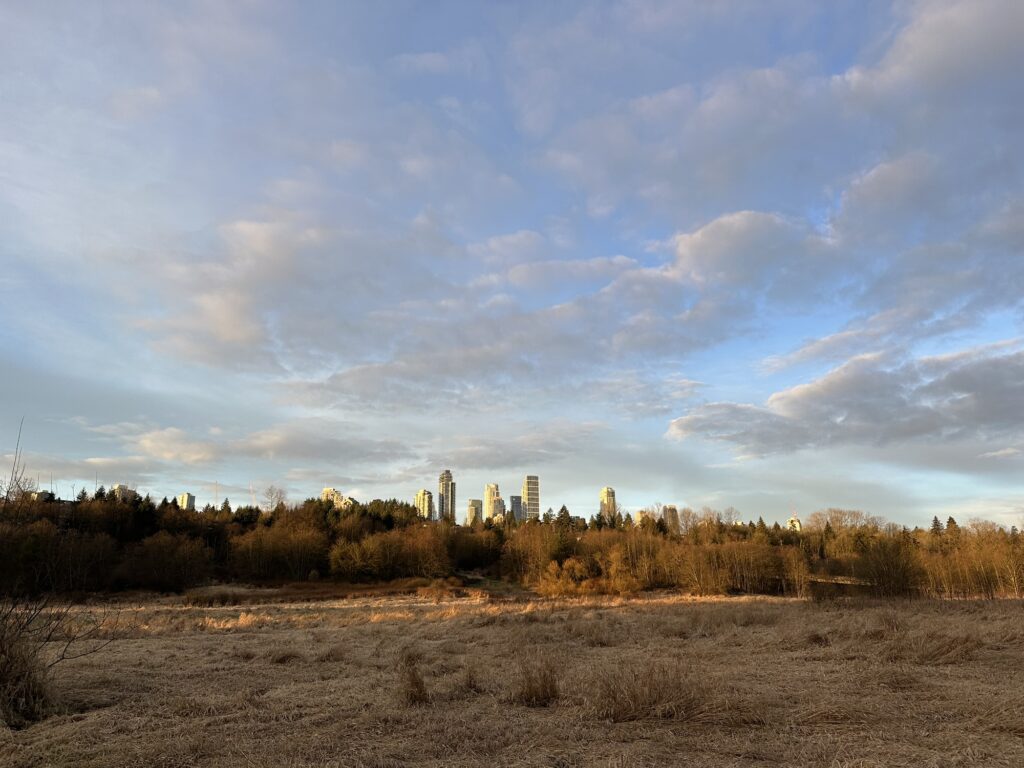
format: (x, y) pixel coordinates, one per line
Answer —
(483, 681)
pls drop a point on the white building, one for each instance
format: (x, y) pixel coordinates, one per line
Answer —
(793, 523)
(446, 497)
(531, 497)
(494, 505)
(187, 502)
(475, 511)
(608, 507)
(337, 498)
(425, 504)
(122, 492)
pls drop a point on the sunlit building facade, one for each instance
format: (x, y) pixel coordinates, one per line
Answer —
(494, 505)
(425, 504)
(475, 512)
(531, 497)
(608, 507)
(337, 498)
(446, 497)
(187, 502)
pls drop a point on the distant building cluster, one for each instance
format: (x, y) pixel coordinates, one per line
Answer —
(337, 498)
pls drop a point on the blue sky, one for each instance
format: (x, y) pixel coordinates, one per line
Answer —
(759, 255)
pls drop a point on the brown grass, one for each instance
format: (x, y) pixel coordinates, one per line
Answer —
(648, 690)
(412, 690)
(536, 683)
(449, 680)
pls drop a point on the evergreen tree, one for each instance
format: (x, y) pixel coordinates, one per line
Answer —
(936, 526)
(564, 520)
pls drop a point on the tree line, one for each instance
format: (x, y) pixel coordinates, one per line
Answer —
(103, 542)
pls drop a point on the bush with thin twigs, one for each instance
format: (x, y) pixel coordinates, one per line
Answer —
(27, 628)
(537, 685)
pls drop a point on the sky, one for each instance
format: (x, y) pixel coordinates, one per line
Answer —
(760, 255)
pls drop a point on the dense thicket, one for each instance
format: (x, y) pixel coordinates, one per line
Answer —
(102, 543)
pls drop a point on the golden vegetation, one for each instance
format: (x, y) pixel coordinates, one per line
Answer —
(477, 680)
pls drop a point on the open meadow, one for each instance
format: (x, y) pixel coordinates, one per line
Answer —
(470, 679)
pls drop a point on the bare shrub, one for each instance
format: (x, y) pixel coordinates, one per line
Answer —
(25, 694)
(412, 689)
(537, 684)
(28, 628)
(648, 690)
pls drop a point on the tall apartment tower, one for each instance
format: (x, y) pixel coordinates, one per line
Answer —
(531, 497)
(494, 505)
(515, 507)
(187, 502)
(475, 512)
(425, 504)
(446, 497)
(670, 514)
(607, 503)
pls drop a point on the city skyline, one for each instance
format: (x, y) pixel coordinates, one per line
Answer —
(758, 255)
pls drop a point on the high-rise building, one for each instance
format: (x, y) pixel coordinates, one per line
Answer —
(515, 507)
(425, 504)
(187, 502)
(531, 497)
(122, 492)
(446, 497)
(475, 511)
(337, 498)
(494, 505)
(670, 515)
(608, 503)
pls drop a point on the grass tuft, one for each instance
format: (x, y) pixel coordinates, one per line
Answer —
(648, 690)
(536, 684)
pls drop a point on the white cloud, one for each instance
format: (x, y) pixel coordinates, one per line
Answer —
(875, 400)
